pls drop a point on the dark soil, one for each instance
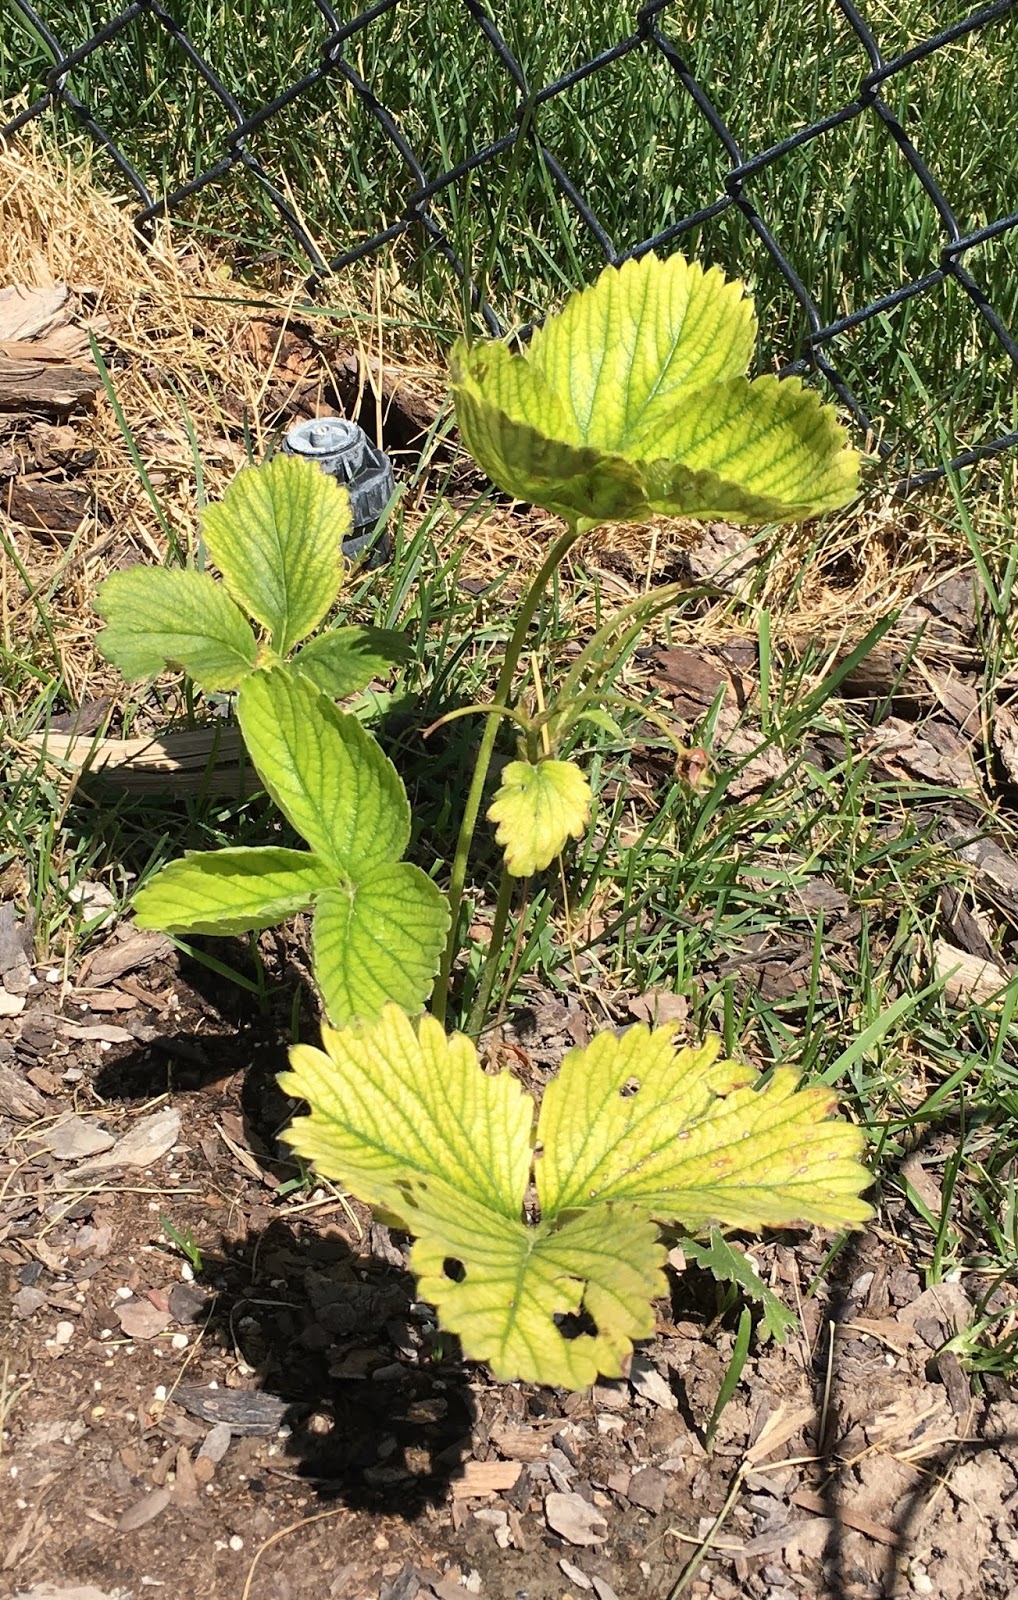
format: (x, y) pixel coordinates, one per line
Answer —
(360, 1456)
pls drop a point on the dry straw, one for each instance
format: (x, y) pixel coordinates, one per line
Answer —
(204, 374)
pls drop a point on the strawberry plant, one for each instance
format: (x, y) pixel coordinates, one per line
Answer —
(537, 1231)
(632, 402)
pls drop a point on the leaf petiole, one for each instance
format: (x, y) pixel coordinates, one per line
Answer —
(519, 717)
(471, 811)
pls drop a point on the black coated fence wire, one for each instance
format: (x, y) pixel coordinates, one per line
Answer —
(418, 213)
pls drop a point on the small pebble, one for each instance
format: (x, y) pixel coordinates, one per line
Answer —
(574, 1574)
(64, 1333)
(216, 1443)
(236, 1542)
(179, 1341)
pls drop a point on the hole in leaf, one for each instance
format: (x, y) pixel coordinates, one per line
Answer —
(573, 1324)
(454, 1269)
(629, 1088)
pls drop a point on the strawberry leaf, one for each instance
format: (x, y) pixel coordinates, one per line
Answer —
(558, 1303)
(538, 808)
(633, 400)
(157, 618)
(344, 660)
(230, 891)
(694, 1138)
(277, 537)
(324, 771)
(407, 1120)
(377, 940)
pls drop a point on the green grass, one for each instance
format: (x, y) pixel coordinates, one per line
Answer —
(852, 218)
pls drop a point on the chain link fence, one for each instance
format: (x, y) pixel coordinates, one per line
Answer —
(419, 197)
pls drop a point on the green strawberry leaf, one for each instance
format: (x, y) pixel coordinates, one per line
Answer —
(230, 891)
(729, 1265)
(158, 618)
(407, 1120)
(538, 808)
(694, 1139)
(380, 939)
(326, 774)
(633, 400)
(344, 660)
(277, 536)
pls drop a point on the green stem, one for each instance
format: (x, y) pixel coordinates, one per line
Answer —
(559, 550)
(486, 981)
(520, 718)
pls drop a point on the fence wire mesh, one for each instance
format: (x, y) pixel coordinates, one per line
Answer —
(954, 260)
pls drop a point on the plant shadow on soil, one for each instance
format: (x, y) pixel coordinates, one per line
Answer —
(375, 1403)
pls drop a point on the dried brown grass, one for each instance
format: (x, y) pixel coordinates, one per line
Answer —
(187, 351)
(188, 355)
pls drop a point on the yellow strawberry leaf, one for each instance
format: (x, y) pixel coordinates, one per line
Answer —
(632, 1132)
(633, 400)
(510, 1291)
(538, 808)
(392, 1102)
(670, 326)
(693, 1139)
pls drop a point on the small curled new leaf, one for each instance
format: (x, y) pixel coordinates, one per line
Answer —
(631, 1133)
(538, 809)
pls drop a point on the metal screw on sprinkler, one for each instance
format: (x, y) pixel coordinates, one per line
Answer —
(345, 452)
